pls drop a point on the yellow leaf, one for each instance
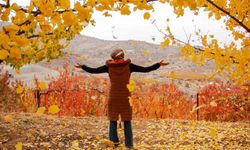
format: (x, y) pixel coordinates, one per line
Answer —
(165, 43)
(75, 144)
(12, 27)
(43, 133)
(146, 15)
(172, 75)
(53, 109)
(125, 10)
(97, 137)
(213, 132)
(106, 14)
(69, 135)
(64, 3)
(5, 15)
(213, 103)
(40, 111)
(107, 142)
(82, 134)
(15, 7)
(42, 85)
(3, 54)
(19, 146)
(8, 118)
(19, 89)
(69, 18)
(145, 52)
(91, 3)
(150, 59)
(15, 53)
(21, 40)
(131, 86)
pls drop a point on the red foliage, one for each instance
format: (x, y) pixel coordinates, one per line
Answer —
(81, 95)
(232, 102)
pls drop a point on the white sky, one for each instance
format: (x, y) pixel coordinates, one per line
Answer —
(136, 28)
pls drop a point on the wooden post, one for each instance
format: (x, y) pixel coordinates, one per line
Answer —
(197, 105)
(38, 97)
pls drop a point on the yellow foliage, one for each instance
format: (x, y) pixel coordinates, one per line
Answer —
(165, 43)
(15, 53)
(5, 15)
(69, 18)
(11, 28)
(64, 3)
(125, 10)
(3, 54)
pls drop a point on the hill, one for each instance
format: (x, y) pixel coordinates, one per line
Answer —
(94, 52)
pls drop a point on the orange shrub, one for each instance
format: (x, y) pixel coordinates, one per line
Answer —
(231, 102)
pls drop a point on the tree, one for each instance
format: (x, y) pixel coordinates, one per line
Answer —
(45, 27)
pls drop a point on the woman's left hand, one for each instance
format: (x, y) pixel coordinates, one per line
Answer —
(78, 65)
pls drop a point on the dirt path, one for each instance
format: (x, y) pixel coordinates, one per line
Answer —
(29, 131)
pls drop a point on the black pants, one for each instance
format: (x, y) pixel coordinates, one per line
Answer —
(127, 132)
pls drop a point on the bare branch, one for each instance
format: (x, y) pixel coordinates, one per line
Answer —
(37, 35)
(8, 3)
(37, 12)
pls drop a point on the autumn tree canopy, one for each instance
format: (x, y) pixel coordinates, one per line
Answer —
(45, 27)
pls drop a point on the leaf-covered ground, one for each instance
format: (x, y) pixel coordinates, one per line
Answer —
(29, 131)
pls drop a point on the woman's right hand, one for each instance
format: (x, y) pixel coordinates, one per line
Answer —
(78, 65)
(162, 63)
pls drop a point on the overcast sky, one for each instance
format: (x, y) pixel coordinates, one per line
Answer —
(136, 28)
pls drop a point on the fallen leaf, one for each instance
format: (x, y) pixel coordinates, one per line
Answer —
(8, 118)
(40, 111)
(213, 132)
(19, 146)
(107, 142)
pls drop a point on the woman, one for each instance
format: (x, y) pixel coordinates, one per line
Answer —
(119, 71)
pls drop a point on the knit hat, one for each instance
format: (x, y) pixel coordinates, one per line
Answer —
(117, 53)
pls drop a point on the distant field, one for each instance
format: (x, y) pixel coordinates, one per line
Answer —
(187, 75)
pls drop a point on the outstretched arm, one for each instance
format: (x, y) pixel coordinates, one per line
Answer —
(101, 69)
(136, 68)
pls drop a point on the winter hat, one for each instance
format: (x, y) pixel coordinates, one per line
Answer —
(117, 53)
